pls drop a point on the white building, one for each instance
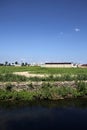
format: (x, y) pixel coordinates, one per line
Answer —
(59, 65)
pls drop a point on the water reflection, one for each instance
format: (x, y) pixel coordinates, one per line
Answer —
(41, 115)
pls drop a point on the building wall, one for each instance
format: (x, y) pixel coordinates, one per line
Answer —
(58, 65)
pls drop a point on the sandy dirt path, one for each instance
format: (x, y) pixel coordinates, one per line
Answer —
(27, 74)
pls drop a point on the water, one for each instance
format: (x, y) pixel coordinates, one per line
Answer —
(44, 115)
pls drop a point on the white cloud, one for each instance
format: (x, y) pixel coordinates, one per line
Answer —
(61, 33)
(77, 30)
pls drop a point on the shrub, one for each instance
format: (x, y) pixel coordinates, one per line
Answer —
(8, 87)
(82, 77)
(30, 85)
(82, 87)
(12, 78)
(65, 91)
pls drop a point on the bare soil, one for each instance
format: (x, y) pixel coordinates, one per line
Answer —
(27, 74)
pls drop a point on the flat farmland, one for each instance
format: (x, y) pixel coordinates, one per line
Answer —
(41, 70)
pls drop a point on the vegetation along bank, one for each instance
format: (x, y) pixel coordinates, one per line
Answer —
(59, 83)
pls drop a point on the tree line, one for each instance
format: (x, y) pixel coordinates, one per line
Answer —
(14, 64)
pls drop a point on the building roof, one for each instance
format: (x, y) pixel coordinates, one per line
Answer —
(57, 63)
(84, 65)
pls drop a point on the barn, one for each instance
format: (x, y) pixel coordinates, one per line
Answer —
(59, 65)
(83, 66)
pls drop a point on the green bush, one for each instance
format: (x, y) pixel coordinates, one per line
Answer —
(81, 76)
(8, 87)
(12, 78)
(82, 87)
(30, 85)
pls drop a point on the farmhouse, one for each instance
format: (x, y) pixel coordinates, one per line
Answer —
(83, 66)
(59, 65)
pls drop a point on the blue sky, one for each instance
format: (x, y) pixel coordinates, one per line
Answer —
(43, 30)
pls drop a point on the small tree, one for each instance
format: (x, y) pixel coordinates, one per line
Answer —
(6, 63)
(8, 87)
(9, 64)
(16, 63)
(26, 63)
(22, 64)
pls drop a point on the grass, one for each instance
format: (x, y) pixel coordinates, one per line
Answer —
(12, 78)
(9, 95)
(62, 74)
(64, 77)
(42, 70)
(46, 92)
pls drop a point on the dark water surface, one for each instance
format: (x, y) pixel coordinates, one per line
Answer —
(44, 115)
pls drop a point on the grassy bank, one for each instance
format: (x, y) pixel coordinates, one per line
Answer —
(50, 78)
(12, 78)
(46, 91)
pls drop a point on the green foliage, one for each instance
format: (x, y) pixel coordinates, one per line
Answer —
(30, 85)
(46, 85)
(46, 92)
(81, 76)
(22, 95)
(8, 87)
(63, 91)
(5, 95)
(82, 88)
(64, 77)
(12, 78)
(75, 93)
(61, 74)
(35, 79)
(42, 70)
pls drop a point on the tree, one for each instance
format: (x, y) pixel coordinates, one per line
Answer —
(26, 63)
(6, 63)
(22, 64)
(9, 64)
(16, 63)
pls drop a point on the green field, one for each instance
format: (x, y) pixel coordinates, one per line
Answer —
(54, 74)
(41, 70)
